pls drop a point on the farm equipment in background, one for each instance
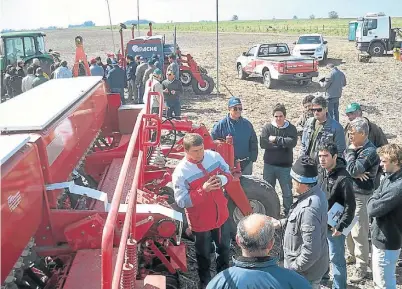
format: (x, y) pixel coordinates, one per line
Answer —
(24, 46)
(190, 72)
(85, 190)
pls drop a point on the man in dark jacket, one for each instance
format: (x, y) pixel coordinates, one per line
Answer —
(336, 182)
(362, 164)
(278, 138)
(116, 80)
(40, 78)
(139, 85)
(172, 92)
(376, 135)
(255, 268)
(306, 114)
(198, 182)
(241, 130)
(321, 129)
(384, 209)
(305, 244)
(333, 85)
(15, 82)
(130, 72)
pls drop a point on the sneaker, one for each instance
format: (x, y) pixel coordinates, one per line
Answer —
(350, 260)
(358, 276)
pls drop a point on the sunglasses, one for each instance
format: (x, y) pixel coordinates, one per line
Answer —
(237, 108)
(316, 109)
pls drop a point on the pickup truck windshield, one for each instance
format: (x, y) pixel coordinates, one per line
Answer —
(309, 40)
(266, 50)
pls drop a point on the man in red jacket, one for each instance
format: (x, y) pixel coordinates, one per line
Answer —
(198, 182)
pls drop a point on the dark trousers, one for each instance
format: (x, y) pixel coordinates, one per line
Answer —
(333, 108)
(174, 107)
(221, 238)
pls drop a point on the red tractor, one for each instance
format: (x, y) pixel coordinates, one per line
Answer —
(190, 72)
(85, 190)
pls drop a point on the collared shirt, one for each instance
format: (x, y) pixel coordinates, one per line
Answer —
(62, 72)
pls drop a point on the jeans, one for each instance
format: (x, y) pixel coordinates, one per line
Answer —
(337, 260)
(333, 108)
(174, 107)
(357, 241)
(247, 169)
(383, 267)
(273, 173)
(221, 238)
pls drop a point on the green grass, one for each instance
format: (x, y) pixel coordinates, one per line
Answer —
(335, 27)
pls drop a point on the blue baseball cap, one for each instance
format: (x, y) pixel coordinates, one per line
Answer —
(233, 101)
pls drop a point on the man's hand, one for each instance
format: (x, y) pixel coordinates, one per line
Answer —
(276, 223)
(363, 177)
(336, 233)
(213, 183)
(173, 92)
(272, 138)
(166, 90)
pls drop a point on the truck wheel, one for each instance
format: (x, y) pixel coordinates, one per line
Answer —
(185, 78)
(207, 89)
(268, 81)
(240, 73)
(262, 197)
(377, 49)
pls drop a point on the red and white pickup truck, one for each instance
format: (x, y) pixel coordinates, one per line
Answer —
(273, 62)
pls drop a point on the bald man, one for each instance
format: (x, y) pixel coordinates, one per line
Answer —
(255, 268)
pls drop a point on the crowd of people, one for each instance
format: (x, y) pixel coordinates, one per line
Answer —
(352, 168)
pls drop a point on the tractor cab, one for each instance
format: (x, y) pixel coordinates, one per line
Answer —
(25, 46)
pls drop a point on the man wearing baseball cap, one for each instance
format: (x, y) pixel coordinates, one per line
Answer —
(154, 85)
(376, 135)
(305, 241)
(139, 85)
(241, 130)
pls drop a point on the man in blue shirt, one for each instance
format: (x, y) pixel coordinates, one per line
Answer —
(244, 137)
(116, 80)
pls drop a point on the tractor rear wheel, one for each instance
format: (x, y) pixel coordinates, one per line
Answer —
(207, 89)
(186, 78)
(262, 197)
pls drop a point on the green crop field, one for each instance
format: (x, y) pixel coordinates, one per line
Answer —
(336, 27)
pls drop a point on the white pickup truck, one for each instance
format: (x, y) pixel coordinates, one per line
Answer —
(274, 63)
(313, 45)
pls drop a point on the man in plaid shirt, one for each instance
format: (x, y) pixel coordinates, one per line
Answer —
(362, 164)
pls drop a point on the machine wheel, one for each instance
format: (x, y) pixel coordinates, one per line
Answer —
(262, 197)
(268, 81)
(377, 49)
(186, 78)
(207, 89)
(240, 73)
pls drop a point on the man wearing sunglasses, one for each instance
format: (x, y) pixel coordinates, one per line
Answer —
(321, 129)
(244, 137)
(172, 90)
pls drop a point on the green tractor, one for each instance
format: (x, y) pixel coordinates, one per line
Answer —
(25, 46)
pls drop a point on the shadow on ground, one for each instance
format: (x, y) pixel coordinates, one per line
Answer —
(334, 61)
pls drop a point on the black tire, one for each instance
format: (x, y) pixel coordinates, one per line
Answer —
(377, 49)
(240, 72)
(186, 77)
(268, 81)
(207, 89)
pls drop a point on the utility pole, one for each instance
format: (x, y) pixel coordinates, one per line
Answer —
(111, 25)
(217, 48)
(138, 16)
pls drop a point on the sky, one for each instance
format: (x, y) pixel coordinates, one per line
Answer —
(63, 12)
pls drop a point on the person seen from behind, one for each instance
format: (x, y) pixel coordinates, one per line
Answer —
(154, 84)
(255, 268)
(28, 80)
(278, 139)
(305, 241)
(95, 69)
(336, 182)
(63, 71)
(130, 73)
(40, 78)
(116, 80)
(245, 140)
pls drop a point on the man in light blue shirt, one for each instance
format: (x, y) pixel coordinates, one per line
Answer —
(95, 69)
(63, 71)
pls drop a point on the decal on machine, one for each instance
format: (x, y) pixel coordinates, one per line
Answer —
(137, 48)
(14, 200)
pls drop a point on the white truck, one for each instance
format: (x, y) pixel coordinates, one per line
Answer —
(375, 35)
(313, 45)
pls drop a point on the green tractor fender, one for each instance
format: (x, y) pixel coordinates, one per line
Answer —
(46, 61)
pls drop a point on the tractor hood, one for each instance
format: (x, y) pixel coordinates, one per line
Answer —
(307, 46)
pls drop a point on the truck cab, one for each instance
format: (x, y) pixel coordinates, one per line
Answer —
(313, 45)
(375, 35)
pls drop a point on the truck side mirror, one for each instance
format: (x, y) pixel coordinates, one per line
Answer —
(244, 53)
(325, 42)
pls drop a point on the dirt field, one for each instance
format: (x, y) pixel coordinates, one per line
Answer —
(376, 85)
